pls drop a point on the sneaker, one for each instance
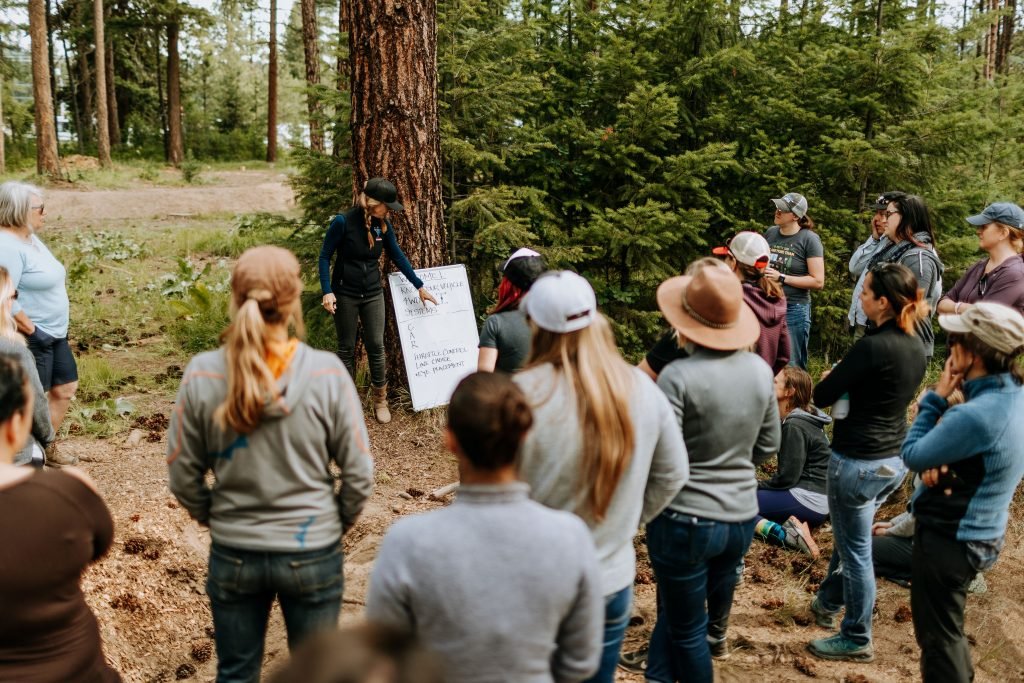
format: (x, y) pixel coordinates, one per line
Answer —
(634, 662)
(55, 459)
(823, 617)
(719, 648)
(978, 586)
(798, 537)
(839, 648)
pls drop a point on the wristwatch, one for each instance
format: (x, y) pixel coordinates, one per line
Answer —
(782, 279)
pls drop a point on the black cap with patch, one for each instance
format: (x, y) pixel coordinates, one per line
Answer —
(383, 191)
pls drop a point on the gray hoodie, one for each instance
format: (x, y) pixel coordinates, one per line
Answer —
(725, 406)
(549, 461)
(42, 430)
(273, 489)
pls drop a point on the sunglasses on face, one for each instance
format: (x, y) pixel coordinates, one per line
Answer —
(891, 213)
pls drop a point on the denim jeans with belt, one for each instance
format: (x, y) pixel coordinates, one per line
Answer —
(242, 585)
(617, 607)
(798, 322)
(694, 561)
(856, 489)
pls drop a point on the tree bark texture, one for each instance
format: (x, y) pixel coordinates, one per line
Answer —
(102, 115)
(1006, 30)
(113, 120)
(175, 142)
(393, 56)
(46, 137)
(272, 86)
(3, 151)
(52, 68)
(85, 90)
(311, 50)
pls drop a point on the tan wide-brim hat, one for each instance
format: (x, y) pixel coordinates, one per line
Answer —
(708, 309)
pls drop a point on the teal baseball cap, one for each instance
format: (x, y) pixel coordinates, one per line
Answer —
(1006, 213)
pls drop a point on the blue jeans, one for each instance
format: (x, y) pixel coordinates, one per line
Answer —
(616, 619)
(242, 585)
(856, 489)
(694, 561)
(798, 322)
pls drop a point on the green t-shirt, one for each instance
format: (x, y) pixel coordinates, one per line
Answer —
(789, 257)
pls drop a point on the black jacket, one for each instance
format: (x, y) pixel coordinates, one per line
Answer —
(881, 373)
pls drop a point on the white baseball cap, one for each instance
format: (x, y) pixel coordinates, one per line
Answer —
(560, 301)
(995, 325)
(749, 248)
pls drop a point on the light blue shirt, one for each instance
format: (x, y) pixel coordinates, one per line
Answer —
(859, 266)
(39, 278)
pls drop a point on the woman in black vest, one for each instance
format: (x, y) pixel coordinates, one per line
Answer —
(353, 290)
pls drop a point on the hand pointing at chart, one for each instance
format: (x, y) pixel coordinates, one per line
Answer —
(426, 296)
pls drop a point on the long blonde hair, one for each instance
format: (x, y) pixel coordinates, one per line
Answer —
(265, 288)
(8, 330)
(367, 203)
(603, 384)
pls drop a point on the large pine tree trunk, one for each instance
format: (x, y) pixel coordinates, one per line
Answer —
(393, 56)
(175, 142)
(272, 86)
(85, 91)
(311, 50)
(3, 151)
(46, 137)
(102, 116)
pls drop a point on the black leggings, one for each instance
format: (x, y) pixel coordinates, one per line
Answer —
(370, 311)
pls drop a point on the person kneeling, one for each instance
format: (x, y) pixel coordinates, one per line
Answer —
(500, 587)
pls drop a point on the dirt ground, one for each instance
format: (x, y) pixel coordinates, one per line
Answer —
(148, 593)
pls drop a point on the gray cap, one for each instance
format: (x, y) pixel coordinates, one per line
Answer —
(995, 325)
(792, 202)
(1006, 213)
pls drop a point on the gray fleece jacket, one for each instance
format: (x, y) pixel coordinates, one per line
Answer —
(500, 587)
(42, 430)
(549, 461)
(273, 489)
(725, 405)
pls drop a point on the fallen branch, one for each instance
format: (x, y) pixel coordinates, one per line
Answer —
(439, 494)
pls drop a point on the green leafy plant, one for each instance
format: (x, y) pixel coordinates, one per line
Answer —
(190, 169)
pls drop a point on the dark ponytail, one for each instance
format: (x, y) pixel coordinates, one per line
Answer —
(898, 285)
(805, 222)
(14, 387)
(489, 416)
(755, 276)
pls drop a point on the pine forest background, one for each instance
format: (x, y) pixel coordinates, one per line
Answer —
(622, 139)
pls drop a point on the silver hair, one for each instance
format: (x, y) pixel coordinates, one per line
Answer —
(16, 202)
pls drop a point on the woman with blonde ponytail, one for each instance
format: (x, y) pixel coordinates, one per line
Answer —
(604, 442)
(880, 376)
(267, 415)
(11, 342)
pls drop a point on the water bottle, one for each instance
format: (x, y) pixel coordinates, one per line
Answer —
(841, 408)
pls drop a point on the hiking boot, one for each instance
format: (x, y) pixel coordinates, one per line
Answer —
(823, 617)
(55, 459)
(380, 404)
(841, 649)
(798, 537)
(719, 648)
(978, 586)
(634, 662)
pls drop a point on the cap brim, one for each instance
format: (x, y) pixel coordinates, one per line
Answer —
(395, 206)
(741, 335)
(979, 220)
(781, 205)
(953, 323)
(720, 251)
(878, 207)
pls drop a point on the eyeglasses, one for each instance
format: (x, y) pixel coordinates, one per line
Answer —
(40, 207)
(891, 213)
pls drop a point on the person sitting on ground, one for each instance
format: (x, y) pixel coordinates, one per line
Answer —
(604, 445)
(1000, 276)
(13, 343)
(499, 586)
(362, 654)
(963, 509)
(892, 541)
(726, 409)
(52, 526)
(794, 499)
(505, 337)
